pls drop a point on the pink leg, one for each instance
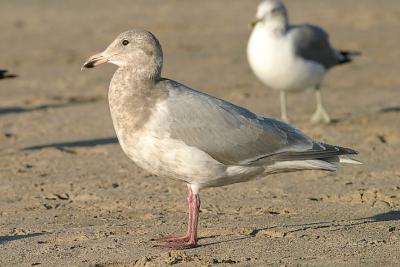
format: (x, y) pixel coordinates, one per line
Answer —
(189, 240)
(186, 237)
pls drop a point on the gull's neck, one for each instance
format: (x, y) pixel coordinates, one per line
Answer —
(276, 27)
(132, 98)
(133, 80)
(140, 74)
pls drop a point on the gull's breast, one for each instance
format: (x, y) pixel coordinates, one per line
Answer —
(274, 62)
(152, 148)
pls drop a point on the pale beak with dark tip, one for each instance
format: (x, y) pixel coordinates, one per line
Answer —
(254, 22)
(94, 61)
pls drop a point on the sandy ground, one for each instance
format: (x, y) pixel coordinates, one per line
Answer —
(70, 197)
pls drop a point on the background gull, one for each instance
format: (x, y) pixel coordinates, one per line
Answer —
(291, 57)
(174, 131)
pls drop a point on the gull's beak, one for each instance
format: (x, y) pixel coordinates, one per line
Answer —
(254, 22)
(95, 60)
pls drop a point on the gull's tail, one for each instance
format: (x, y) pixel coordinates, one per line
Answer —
(349, 161)
(347, 56)
(320, 157)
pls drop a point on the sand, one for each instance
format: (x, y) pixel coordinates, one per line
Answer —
(70, 197)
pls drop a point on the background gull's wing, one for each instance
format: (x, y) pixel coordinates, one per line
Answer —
(312, 43)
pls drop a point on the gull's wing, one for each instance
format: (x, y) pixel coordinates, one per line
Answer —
(233, 135)
(312, 43)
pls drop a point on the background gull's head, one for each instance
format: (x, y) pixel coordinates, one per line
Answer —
(270, 11)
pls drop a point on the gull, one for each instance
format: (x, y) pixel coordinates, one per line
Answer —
(291, 58)
(174, 131)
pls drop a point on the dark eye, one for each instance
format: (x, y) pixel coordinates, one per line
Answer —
(125, 42)
(275, 10)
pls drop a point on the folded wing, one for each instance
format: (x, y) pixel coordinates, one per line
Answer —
(235, 136)
(312, 43)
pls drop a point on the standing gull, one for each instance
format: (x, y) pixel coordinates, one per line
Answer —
(174, 131)
(291, 58)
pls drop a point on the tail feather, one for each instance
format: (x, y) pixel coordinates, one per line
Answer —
(347, 56)
(349, 161)
(330, 165)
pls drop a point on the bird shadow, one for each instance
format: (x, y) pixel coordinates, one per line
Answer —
(5, 239)
(5, 75)
(382, 217)
(335, 121)
(71, 101)
(11, 110)
(393, 215)
(76, 144)
(390, 109)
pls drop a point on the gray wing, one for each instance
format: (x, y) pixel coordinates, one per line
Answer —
(312, 43)
(230, 134)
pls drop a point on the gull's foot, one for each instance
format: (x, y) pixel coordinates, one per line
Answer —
(174, 239)
(181, 245)
(320, 116)
(177, 242)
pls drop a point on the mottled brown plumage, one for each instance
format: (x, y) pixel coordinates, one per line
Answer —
(174, 131)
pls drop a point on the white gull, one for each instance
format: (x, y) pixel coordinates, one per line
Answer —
(291, 58)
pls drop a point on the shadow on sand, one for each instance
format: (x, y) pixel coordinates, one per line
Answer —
(382, 217)
(390, 109)
(4, 239)
(71, 101)
(75, 144)
(393, 215)
(10, 110)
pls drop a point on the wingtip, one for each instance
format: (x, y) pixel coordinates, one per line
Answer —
(348, 56)
(350, 151)
(351, 53)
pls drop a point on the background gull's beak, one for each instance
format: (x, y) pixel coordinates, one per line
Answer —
(94, 61)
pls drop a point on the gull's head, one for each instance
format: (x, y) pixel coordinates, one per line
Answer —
(136, 49)
(271, 11)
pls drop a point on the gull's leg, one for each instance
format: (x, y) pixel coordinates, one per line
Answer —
(185, 237)
(195, 220)
(320, 115)
(283, 107)
(190, 239)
